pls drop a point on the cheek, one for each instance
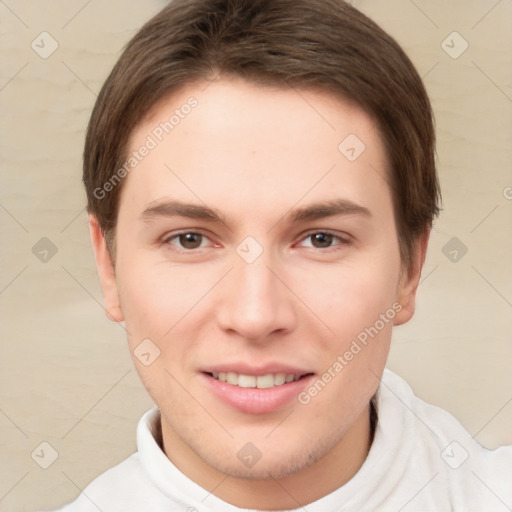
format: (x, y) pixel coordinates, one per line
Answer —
(151, 301)
(358, 307)
(350, 298)
(157, 304)
(165, 303)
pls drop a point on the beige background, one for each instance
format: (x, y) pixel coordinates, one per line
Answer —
(66, 375)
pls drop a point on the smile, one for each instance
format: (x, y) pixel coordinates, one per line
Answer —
(252, 381)
(266, 392)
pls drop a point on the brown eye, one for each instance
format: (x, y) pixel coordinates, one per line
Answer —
(321, 240)
(324, 240)
(190, 240)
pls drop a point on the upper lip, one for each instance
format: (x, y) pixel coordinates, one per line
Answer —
(245, 369)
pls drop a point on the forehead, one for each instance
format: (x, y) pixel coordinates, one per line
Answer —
(235, 143)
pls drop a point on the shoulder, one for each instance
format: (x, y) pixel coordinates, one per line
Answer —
(124, 487)
(429, 422)
(438, 441)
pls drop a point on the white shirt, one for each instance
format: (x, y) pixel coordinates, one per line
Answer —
(421, 459)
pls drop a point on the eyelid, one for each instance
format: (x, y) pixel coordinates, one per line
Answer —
(166, 239)
(332, 232)
(344, 238)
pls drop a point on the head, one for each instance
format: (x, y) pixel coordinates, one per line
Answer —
(261, 185)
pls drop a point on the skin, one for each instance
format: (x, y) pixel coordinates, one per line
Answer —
(255, 155)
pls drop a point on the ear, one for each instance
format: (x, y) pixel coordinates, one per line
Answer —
(106, 271)
(410, 281)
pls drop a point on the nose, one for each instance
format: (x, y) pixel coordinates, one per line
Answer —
(255, 304)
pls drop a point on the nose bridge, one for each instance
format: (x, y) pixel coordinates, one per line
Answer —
(256, 283)
(256, 304)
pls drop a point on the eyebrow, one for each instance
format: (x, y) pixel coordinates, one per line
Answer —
(328, 209)
(312, 212)
(177, 208)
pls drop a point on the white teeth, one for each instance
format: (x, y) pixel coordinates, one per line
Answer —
(232, 378)
(279, 379)
(251, 381)
(247, 381)
(265, 381)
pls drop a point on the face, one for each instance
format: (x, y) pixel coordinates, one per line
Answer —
(257, 251)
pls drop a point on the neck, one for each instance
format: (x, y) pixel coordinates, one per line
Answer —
(305, 486)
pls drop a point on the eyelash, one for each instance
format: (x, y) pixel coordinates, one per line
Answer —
(168, 239)
(341, 241)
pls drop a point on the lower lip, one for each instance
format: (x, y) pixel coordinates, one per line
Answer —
(254, 400)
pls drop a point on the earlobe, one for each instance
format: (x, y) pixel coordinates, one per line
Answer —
(410, 281)
(106, 271)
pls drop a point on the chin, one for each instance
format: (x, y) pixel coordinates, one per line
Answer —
(274, 464)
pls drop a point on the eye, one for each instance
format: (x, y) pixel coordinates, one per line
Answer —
(322, 240)
(188, 241)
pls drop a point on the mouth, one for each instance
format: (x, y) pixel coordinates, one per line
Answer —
(256, 391)
(267, 381)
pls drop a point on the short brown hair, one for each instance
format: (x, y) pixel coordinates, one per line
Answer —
(326, 44)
